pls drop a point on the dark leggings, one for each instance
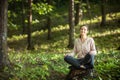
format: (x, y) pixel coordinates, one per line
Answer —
(87, 61)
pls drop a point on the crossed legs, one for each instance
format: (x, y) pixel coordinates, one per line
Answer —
(87, 61)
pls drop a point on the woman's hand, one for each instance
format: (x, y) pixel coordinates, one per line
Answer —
(91, 53)
(66, 55)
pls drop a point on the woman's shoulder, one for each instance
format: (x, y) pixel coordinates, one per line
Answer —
(90, 39)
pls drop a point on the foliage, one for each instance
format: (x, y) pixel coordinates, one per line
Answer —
(42, 8)
(35, 66)
(107, 65)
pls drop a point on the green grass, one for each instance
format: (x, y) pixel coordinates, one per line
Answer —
(35, 65)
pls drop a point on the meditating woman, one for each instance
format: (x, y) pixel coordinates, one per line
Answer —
(84, 49)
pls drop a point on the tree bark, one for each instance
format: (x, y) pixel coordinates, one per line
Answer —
(29, 24)
(78, 14)
(103, 22)
(49, 22)
(49, 27)
(23, 17)
(89, 13)
(3, 34)
(71, 24)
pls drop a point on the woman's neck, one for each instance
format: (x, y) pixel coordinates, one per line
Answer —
(83, 38)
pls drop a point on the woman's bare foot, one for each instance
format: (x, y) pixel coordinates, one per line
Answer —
(82, 66)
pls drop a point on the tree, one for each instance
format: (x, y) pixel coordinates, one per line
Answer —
(78, 14)
(29, 47)
(49, 22)
(45, 8)
(71, 24)
(103, 22)
(23, 17)
(3, 34)
(89, 13)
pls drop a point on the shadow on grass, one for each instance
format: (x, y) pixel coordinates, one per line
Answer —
(107, 42)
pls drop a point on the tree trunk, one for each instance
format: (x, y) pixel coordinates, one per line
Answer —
(23, 17)
(103, 22)
(49, 22)
(29, 24)
(71, 24)
(49, 27)
(3, 34)
(78, 14)
(89, 13)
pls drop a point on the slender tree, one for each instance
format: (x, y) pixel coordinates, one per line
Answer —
(23, 17)
(71, 24)
(103, 22)
(29, 24)
(49, 22)
(78, 14)
(89, 14)
(3, 34)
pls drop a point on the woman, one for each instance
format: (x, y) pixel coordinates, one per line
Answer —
(84, 49)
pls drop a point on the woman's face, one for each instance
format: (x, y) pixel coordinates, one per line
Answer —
(83, 30)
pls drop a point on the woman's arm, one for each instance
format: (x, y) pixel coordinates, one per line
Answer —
(92, 47)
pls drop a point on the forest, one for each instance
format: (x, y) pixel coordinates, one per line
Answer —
(35, 35)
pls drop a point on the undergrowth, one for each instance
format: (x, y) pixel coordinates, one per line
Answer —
(32, 65)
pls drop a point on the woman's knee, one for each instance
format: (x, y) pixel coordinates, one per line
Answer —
(92, 60)
(91, 56)
(66, 58)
